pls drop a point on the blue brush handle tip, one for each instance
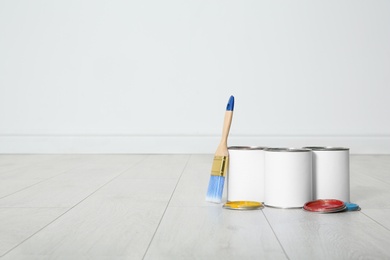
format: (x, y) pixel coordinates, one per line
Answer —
(230, 105)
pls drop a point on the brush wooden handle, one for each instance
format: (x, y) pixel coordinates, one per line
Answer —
(226, 126)
(222, 149)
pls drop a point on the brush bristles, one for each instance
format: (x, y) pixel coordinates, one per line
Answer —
(215, 190)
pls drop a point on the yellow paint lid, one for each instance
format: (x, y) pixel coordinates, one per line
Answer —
(243, 205)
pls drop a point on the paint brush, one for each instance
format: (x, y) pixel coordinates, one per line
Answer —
(221, 159)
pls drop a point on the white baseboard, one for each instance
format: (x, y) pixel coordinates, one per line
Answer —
(63, 144)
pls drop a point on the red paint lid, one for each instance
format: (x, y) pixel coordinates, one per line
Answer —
(324, 205)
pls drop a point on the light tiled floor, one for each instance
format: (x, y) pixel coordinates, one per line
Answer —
(152, 207)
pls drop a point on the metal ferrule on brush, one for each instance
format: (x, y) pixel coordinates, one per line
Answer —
(220, 166)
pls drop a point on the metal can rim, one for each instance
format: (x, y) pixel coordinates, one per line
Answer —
(247, 148)
(326, 148)
(283, 207)
(287, 150)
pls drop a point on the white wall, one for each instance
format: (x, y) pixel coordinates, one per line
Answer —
(154, 76)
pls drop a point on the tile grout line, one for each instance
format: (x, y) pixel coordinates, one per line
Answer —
(1, 207)
(47, 179)
(374, 220)
(32, 164)
(376, 178)
(25, 188)
(273, 231)
(7, 252)
(165, 210)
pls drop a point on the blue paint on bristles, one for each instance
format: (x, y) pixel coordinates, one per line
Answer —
(215, 190)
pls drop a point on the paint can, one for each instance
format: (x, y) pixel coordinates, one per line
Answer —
(288, 177)
(331, 173)
(245, 179)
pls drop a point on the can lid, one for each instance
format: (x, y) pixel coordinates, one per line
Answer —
(287, 150)
(352, 206)
(246, 148)
(325, 206)
(243, 205)
(326, 148)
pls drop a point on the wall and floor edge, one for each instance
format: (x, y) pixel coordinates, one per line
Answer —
(178, 144)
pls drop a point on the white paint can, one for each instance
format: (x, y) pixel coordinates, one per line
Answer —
(331, 173)
(288, 177)
(245, 179)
